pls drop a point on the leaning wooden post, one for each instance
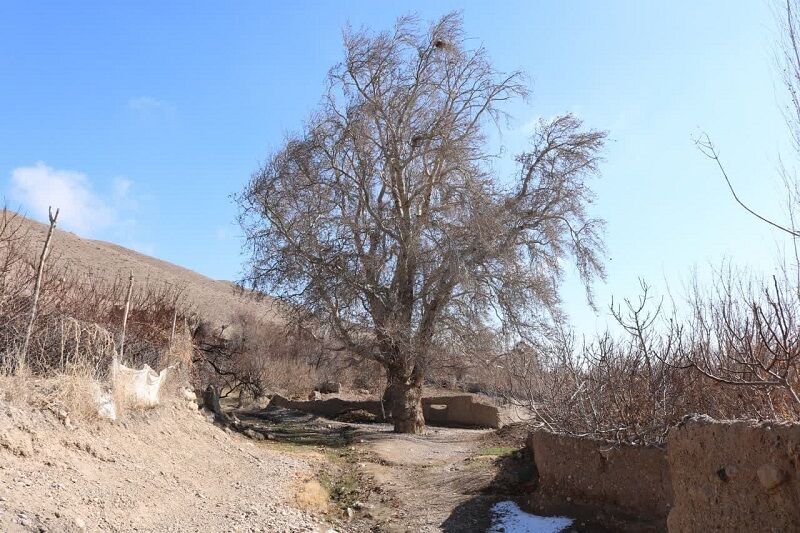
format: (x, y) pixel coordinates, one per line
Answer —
(172, 333)
(125, 316)
(37, 287)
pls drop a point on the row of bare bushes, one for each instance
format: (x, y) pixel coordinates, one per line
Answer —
(732, 350)
(79, 320)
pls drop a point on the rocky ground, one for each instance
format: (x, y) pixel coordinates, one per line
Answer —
(166, 469)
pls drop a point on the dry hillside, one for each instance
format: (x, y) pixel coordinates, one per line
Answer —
(215, 301)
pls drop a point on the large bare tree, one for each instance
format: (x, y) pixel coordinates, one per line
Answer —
(385, 219)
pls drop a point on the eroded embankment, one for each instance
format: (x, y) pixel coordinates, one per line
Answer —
(165, 469)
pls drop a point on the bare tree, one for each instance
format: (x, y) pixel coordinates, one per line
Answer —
(743, 335)
(788, 60)
(385, 220)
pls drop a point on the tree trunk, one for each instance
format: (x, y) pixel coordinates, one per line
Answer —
(407, 410)
(404, 397)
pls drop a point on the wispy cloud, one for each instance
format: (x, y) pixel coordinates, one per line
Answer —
(149, 107)
(83, 210)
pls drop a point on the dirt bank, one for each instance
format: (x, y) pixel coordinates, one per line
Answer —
(167, 469)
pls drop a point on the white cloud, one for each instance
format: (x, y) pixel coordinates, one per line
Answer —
(83, 210)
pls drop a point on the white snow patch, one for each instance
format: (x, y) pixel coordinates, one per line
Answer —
(507, 517)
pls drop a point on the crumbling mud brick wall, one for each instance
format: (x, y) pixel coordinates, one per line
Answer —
(713, 476)
(460, 410)
(330, 408)
(628, 480)
(734, 476)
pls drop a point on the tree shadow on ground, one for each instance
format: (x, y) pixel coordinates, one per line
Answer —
(296, 427)
(514, 477)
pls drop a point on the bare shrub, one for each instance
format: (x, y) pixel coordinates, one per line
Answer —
(79, 323)
(252, 357)
(734, 355)
(744, 333)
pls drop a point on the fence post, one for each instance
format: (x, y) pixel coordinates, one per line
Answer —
(125, 316)
(37, 287)
(174, 320)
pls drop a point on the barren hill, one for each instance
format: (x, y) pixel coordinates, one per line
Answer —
(217, 301)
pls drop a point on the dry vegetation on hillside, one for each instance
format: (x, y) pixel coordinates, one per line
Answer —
(223, 337)
(734, 356)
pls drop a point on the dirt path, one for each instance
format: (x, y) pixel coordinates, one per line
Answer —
(437, 478)
(439, 481)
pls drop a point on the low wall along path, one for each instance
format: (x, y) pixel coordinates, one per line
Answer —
(712, 476)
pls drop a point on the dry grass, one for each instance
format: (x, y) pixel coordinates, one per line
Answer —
(67, 394)
(313, 496)
(216, 301)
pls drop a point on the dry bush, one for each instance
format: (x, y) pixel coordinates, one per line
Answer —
(291, 376)
(744, 333)
(76, 329)
(736, 355)
(70, 393)
(251, 358)
(80, 320)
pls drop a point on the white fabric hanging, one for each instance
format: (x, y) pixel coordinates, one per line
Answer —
(137, 387)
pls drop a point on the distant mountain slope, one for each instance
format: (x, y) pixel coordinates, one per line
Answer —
(215, 300)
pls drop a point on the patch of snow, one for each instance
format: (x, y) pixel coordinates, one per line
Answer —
(507, 517)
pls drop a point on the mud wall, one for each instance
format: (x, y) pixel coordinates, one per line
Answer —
(734, 476)
(330, 408)
(712, 476)
(626, 480)
(458, 410)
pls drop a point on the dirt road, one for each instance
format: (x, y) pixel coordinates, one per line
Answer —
(172, 469)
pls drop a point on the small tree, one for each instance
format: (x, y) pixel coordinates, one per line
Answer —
(384, 219)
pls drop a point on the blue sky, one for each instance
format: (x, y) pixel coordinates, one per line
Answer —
(141, 119)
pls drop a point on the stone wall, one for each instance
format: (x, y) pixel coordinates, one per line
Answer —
(734, 476)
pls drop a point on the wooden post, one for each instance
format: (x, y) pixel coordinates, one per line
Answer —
(125, 316)
(37, 287)
(174, 320)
